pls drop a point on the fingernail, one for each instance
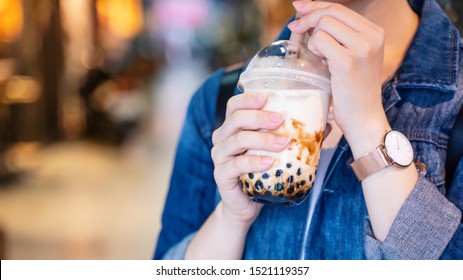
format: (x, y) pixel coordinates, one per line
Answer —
(260, 97)
(266, 160)
(293, 24)
(275, 118)
(282, 140)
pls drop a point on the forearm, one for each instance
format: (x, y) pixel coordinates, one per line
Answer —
(218, 238)
(386, 190)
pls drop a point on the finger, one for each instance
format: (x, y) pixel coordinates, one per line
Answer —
(323, 44)
(245, 101)
(312, 12)
(227, 173)
(246, 140)
(340, 32)
(247, 120)
(317, 9)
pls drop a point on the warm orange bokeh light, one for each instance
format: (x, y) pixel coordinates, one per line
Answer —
(124, 18)
(11, 20)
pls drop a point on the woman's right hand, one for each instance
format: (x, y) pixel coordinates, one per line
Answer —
(240, 132)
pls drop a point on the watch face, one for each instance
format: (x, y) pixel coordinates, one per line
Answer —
(398, 148)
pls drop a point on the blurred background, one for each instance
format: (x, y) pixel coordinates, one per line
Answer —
(92, 98)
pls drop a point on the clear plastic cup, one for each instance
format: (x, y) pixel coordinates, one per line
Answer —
(297, 84)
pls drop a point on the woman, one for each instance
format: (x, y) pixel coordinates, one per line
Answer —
(395, 65)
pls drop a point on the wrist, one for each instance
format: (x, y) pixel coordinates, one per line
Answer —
(231, 221)
(367, 136)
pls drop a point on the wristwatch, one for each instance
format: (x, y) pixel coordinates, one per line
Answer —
(395, 149)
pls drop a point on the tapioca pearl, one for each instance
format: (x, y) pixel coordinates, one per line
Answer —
(268, 193)
(241, 184)
(291, 189)
(288, 165)
(281, 195)
(299, 172)
(302, 183)
(251, 176)
(247, 184)
(291, 179)
(310, 178)
(259, 185)
(278, 172)
(265, 176)
(279, 186)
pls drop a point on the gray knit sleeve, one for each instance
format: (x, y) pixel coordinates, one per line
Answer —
(422, 229)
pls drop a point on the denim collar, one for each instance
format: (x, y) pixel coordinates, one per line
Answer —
(436, 39)
(432, 59)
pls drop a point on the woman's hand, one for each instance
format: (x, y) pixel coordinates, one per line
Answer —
(354, 49)
(238, 134)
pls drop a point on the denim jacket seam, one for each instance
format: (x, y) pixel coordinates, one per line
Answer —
(201, 128)
(436, 138)
(425, 140)
(196, 118)
(440, 86)
(201, 112)
(440, 175)
(453, 69)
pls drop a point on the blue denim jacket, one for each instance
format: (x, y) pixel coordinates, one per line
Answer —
(421, 100)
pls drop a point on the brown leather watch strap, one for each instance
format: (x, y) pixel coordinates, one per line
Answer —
(370, 163)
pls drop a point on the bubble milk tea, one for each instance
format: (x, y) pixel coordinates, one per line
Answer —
(293, 172)
(297, 84)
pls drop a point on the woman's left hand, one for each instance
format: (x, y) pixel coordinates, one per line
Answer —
(354, 49)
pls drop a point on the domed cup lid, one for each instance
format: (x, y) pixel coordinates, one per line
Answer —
(285, 65)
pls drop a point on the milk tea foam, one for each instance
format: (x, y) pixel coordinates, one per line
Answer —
(293, 172)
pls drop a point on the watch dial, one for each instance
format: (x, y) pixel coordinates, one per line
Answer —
(398, 148)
